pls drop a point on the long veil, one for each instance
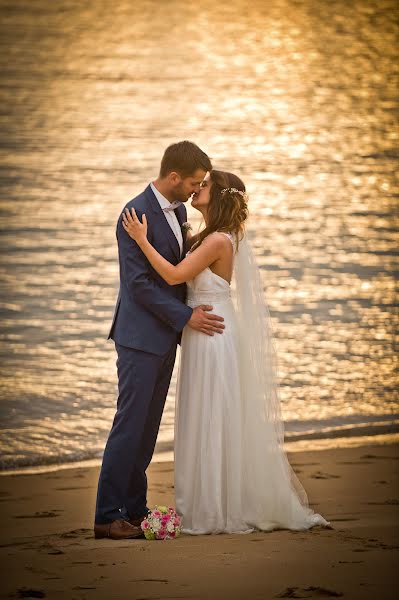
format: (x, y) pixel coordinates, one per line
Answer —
(273, 496)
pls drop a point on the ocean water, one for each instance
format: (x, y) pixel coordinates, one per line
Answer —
(297, 97)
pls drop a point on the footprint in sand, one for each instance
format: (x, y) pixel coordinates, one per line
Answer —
(350, 562)
(83, 587)
(320, 475)
(389, 501)
(76, 533)
(353, 462)
(344, 519)
(78, 487)
(55, 551)
(309, 592)
(40, 515)
(149, 580)
(29, 593)
(382, 457)
(305, 464)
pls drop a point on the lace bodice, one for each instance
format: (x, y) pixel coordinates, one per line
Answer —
(208, 287)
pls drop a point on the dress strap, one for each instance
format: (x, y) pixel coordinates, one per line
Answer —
(229, 235)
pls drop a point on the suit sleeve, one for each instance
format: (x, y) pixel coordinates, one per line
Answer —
(142, 287)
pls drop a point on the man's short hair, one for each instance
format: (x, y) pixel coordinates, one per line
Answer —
(184, 158)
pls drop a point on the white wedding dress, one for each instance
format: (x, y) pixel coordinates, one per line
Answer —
(231, 471)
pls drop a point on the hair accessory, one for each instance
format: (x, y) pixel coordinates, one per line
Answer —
(235, 191)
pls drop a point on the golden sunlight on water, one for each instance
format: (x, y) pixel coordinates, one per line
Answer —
(297, 97)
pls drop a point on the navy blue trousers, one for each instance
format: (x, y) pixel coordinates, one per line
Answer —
(143, 383)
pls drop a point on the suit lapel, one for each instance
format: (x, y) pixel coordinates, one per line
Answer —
(181, 214)
(165, 227)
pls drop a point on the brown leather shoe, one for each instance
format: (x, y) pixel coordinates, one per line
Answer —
(117, 530)
(137, 522)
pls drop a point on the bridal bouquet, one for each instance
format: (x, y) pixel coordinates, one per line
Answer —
(161, 523)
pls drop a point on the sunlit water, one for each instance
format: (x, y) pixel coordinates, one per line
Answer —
(298, 98)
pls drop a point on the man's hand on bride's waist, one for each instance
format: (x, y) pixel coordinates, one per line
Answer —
(205, 321)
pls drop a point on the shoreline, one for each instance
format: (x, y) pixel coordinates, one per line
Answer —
(302, 445)
(48, 548)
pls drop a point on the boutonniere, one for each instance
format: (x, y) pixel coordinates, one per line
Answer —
(186, 226)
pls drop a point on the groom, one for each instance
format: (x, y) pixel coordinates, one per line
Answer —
(146, 328)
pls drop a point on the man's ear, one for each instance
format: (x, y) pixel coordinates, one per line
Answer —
(174, 177)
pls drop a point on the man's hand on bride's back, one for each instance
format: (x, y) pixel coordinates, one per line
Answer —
(205, 321)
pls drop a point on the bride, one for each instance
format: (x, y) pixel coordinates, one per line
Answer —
(232, 474)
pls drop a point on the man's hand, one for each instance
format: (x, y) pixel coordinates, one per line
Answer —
(207, 323)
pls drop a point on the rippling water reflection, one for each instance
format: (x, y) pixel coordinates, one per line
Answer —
(297, 97)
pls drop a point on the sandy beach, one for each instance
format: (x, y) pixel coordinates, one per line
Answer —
(48, 549)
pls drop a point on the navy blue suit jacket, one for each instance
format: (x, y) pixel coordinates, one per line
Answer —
(149, 314)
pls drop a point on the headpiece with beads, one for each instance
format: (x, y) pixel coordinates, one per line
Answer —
(234, 191)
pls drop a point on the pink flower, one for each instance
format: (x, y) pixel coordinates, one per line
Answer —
(156, 514)
(145, 524)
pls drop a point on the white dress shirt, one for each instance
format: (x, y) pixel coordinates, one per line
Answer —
(170, 216)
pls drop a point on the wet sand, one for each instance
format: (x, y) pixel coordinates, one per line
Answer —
(48, 549)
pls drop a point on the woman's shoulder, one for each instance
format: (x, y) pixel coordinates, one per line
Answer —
(219, 238)
(227, 234)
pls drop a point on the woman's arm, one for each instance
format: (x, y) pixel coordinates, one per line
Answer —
(210, 250)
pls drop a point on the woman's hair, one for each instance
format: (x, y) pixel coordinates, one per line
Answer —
(184, 158)
(227, 208)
